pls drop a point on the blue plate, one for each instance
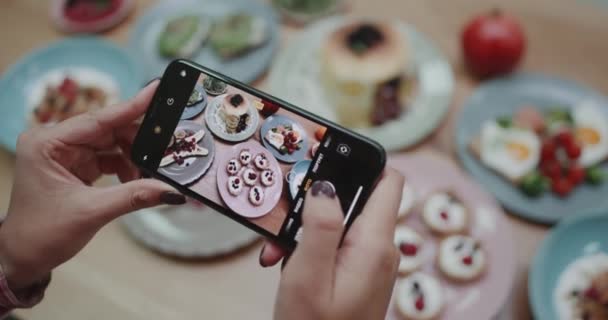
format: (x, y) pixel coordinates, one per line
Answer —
(300, 168)
(191, 111)
(503, 97)
(572, 239)
(75, 52)
(248, 67)
(277, 120)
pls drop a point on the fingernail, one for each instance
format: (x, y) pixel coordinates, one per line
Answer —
(172, 198)
(151, 80)
(323, 187)
(262, 263)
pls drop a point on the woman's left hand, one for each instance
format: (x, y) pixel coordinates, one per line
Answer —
(54, 209)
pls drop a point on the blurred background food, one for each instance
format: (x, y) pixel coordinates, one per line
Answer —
(500, 103)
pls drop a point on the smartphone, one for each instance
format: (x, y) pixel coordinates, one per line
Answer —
(249, 155)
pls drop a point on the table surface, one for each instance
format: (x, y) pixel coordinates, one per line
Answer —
(113, 277)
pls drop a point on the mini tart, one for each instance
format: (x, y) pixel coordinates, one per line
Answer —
(267, 177)
(408, 199)
(419, 297)
(261, 162)
(256, 196)
(235, 185)
(233, 167)
(445, 214)
(461, 258)
(409, 244)
(250, 176)
(245, 157)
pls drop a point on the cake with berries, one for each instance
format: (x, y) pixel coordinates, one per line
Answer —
(445, 214)
(364, 72)
(461, 258)
(234, 111)
(419, 297)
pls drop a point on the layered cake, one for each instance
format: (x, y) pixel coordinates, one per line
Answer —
(234, 113)
(364, 73)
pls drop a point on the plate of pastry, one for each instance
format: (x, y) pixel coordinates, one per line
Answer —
(236, 37)
(285, 138)
(249, 179)
(383, 79)
(569, 275)
(457, 255)
(539, 144)
(196, 103)
(63, 80)
(232, 117)
(189, 154)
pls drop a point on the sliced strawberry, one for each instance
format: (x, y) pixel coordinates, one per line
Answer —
(69, 89)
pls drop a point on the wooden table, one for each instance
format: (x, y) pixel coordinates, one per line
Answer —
(115, 278)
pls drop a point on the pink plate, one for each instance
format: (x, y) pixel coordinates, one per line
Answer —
(481, 299)
(240, 204)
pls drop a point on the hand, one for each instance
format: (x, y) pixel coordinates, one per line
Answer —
(355, 281)
(54, 211)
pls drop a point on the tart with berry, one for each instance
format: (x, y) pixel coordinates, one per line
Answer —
(461, 258)
(409, 243)
(419, 297)
(445, 214)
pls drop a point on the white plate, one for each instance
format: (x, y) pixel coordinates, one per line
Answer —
(295, 77)
(187, 231)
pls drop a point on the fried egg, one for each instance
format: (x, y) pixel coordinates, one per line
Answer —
(592, 131)
(513, 152)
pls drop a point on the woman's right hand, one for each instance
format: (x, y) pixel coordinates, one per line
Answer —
(322, 281)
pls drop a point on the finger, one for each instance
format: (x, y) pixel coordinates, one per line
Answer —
(118, 164)
(94, 127)
(312, 264)
(131, 196)
(271, 254)
(378, 219)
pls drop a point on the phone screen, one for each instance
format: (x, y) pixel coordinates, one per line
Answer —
(255, 158)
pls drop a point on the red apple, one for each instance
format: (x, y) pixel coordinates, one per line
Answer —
(493, 44)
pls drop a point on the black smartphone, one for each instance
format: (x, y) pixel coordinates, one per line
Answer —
(249, 155)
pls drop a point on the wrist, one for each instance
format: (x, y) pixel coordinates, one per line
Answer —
(17, 277)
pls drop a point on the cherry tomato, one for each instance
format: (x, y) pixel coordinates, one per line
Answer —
(576, 174)
(573, 151)
(548, 151)
(565, 138)
(552, 170)
(562, 187)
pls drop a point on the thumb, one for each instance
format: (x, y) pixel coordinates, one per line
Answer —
(313, 262)
(124, 198)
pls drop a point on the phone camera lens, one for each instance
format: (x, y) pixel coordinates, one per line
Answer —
(170, 101)
(183, 73)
